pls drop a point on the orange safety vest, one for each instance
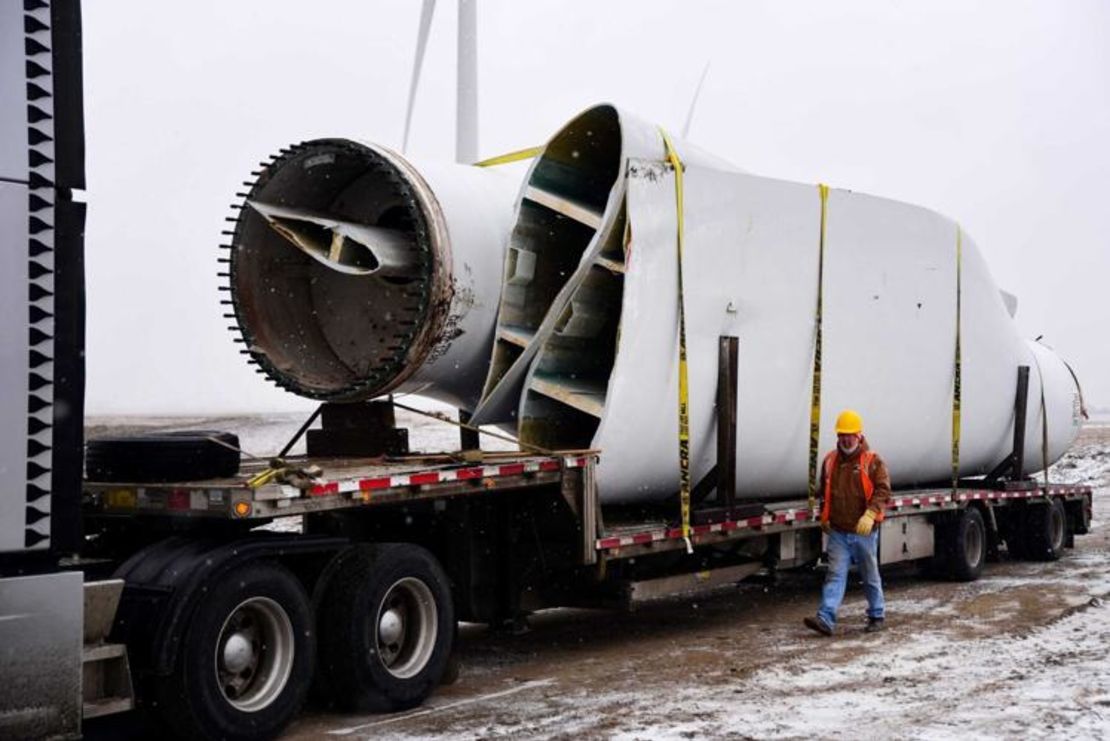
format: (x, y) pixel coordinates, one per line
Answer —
(865, 460)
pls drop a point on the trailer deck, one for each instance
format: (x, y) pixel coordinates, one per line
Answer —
(340, 484)
(352, 483)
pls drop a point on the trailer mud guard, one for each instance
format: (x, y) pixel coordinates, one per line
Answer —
(164, 580)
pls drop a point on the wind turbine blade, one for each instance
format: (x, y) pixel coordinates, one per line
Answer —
(344, 246)
(426, 13)
(694, 101)
(466, 100)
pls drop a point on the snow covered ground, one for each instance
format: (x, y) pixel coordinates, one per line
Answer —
(1034, 678)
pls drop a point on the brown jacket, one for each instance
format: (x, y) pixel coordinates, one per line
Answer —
(848, 501)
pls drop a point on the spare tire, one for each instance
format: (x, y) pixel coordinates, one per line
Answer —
(163, 457)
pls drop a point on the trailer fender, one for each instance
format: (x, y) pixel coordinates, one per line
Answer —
(164, 580)
(1079, 515)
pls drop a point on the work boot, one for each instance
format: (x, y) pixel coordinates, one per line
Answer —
(818, 625)
(874, 625)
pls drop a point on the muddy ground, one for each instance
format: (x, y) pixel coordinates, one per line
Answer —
(1020, 653)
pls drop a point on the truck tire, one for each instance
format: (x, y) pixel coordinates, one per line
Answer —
(387, 627)
(965, 546)
(1046, 529)
(163, 457)
(245, 662)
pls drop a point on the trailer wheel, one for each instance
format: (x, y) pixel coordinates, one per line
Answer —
(245, 663)
(1046, 528)
(965, 546)
(387, 626)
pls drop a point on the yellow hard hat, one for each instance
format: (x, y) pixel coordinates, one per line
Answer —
(849, 423)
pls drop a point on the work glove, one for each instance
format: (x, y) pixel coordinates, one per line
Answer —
(865, 523)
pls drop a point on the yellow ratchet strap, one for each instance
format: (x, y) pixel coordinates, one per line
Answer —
(275, 470)
(815, 393)
(957, 389)
(683, 375)
(299, 476)
(264, 478)
(504, 159)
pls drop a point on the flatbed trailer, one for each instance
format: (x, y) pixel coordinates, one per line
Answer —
(352, 484)
(201, 611)
(185, 599)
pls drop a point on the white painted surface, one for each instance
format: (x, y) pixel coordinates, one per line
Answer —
(14, 303)
(475, 216)
(638, 139)
(13, 93)
(889, 338)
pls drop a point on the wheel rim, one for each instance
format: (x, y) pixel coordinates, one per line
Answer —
(254, 654)
(973, 545)
(1056, 520)
(406, 627)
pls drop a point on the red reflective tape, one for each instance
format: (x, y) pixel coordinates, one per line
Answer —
(419, 479)
(465, 474)
(728, 525)
(609, 543)
(641, 538)
(324, 489)
(367, 484)
(701, 529)
(177, 499)
(754, 522)
(513, 469)
(549, 466)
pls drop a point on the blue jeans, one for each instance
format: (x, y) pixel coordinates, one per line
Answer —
(844, 548)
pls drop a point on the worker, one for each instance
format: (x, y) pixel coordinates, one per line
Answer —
(855, 490)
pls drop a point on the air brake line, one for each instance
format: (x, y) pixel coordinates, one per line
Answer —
(683, 374)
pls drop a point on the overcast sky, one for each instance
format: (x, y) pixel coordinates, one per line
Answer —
(994, 113)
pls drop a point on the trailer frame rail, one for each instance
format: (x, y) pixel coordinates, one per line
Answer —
(628, 540)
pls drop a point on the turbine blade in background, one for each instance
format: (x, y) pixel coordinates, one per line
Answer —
(466, 98)
(694, 101)
(426, 12)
